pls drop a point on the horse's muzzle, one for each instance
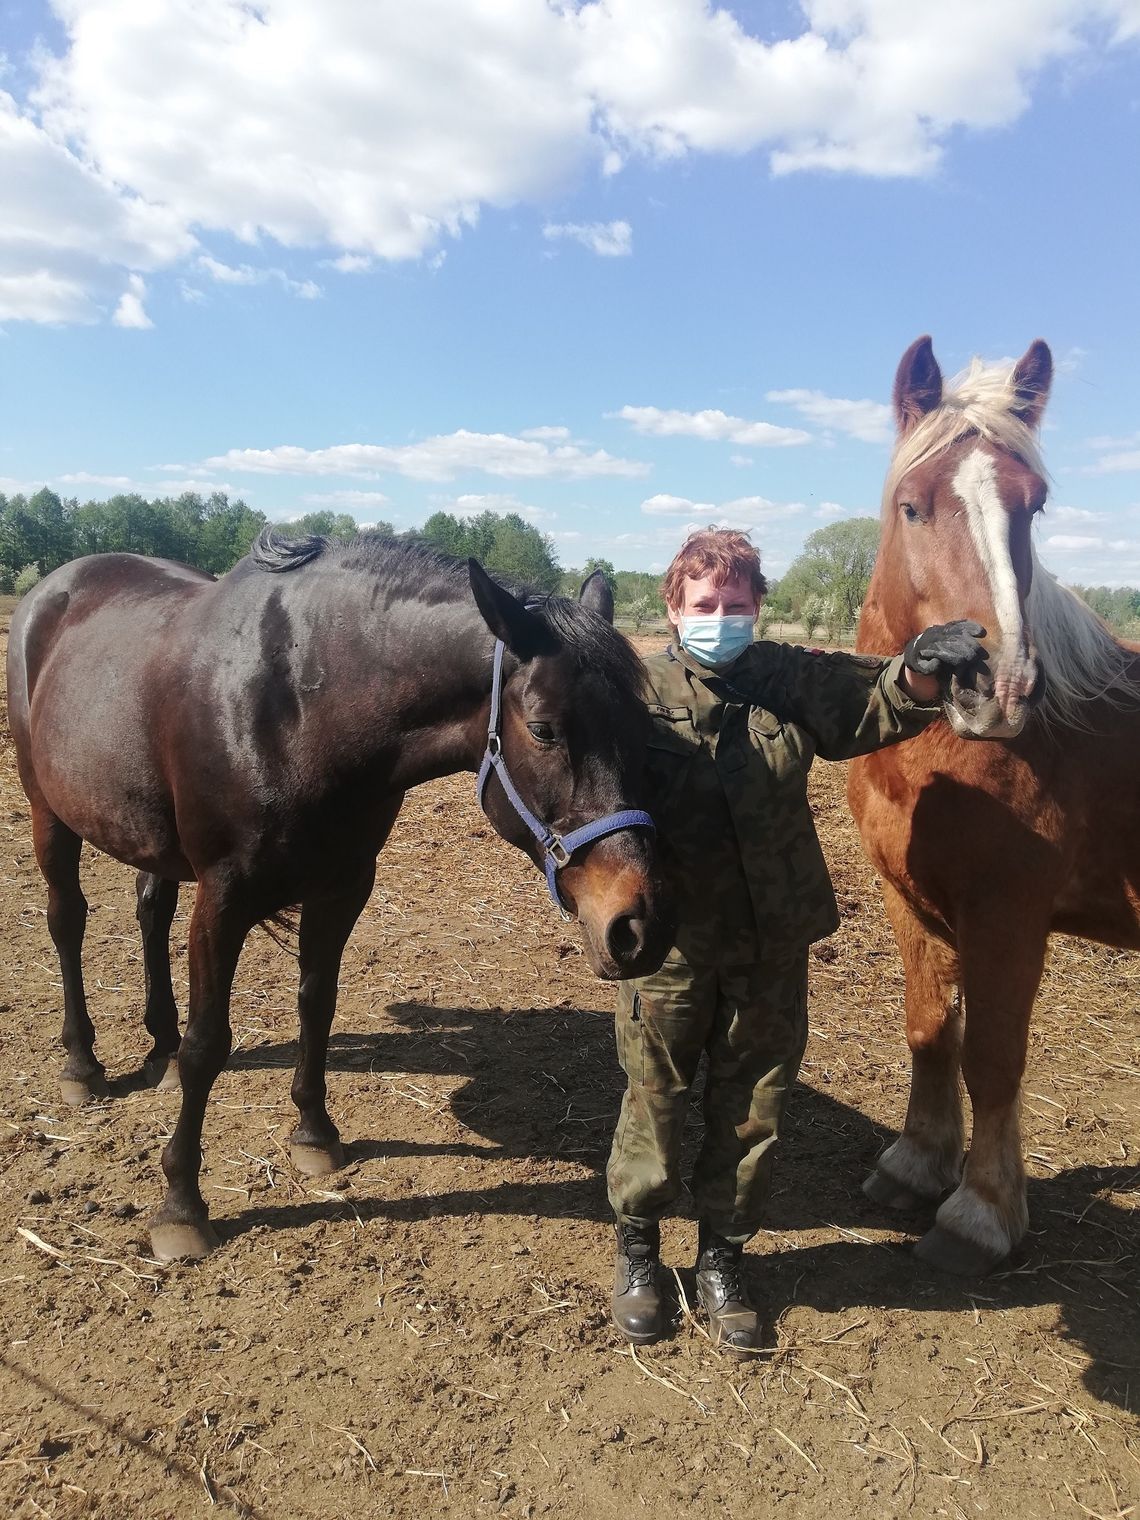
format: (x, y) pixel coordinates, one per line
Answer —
(625, 916)
(999, 708)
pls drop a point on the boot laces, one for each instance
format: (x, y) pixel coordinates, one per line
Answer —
(724, 1260)
(641, 1255)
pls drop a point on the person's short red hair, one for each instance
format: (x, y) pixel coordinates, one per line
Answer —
(722, 554)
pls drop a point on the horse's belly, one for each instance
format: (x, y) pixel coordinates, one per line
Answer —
(1100, 904)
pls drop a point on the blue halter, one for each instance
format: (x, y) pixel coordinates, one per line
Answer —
(556, 848)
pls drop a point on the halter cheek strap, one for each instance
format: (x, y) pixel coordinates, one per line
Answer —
(557, 849)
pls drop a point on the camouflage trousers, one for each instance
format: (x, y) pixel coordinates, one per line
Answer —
(751, 1020)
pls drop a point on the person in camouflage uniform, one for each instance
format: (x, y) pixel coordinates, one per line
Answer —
(731, 745)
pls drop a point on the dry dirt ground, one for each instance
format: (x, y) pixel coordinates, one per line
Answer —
(428, 1330)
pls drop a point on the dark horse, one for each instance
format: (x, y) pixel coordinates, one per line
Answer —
(257, 734)
(1018, 816)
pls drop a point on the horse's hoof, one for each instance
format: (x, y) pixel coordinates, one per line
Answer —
(316, 1160)
(884, 1189)
(171, 1241)
(947, 1252)
(161, 1073)
(79, 1090)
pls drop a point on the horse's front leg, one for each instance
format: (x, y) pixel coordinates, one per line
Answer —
(218, 927)
(926, 1160)
(987, 1215)
(326, 922)
(157, 901)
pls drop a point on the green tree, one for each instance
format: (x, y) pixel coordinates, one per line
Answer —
(504, 544)
(835, 567)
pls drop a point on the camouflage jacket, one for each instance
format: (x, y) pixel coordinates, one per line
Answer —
(727, 771)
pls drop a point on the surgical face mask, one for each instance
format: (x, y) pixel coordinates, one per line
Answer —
(715, 640)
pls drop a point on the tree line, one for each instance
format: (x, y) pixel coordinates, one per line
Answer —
(40, 532)
(823, 588)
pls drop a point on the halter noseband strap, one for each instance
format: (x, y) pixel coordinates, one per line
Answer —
(556, 848)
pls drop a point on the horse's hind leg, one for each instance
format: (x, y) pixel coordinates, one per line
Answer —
(157, 901)
(57, 851)
(982, 1221)
(926, 1160)
(326, 923)
(218, 927)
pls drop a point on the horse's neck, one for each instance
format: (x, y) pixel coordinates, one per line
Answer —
(437, 689)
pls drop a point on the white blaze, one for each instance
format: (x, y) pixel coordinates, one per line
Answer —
(975, 483)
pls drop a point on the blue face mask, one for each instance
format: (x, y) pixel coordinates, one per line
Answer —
(715, 640)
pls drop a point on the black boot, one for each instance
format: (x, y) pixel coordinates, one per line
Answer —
(724, 1298)
(636, 1305)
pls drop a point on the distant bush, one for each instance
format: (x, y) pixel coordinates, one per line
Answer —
(28, 577)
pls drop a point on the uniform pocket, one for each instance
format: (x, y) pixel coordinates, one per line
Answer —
(787, 750)
(669, 752)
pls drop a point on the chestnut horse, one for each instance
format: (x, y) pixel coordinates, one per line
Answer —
(257, 734)
(1018, 816)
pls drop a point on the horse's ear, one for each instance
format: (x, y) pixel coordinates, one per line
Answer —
(597, 595)
(918, 384)
(524, 634)
(1031, 379)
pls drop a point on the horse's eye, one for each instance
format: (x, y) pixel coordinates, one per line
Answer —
(910, 511)
(543, 732)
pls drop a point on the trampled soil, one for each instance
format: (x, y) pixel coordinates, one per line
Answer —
(427, 1332)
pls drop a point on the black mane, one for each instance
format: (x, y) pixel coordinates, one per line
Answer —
(422, 570)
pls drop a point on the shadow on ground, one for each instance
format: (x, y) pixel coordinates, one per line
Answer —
(544, 1083)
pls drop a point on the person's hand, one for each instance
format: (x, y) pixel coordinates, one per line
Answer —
(946, 649)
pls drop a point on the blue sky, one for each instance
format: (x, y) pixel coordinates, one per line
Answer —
(623, 265)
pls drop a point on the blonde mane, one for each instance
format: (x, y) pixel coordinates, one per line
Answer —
(980, 400)
(1082, 660)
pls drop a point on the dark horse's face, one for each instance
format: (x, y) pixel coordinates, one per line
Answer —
(957, 528)
(574, 730)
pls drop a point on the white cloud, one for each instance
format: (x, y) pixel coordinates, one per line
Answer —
(68, 232)
(352, 263)
(247, 274)
(194, 486)
(830, 510)
(609, 239)
(547, 434)
(741, 461)
(711, 425)
(352, 500)
(1074, 515)
(376, 132)
(130, 311)
(742, 510)
(438, 458)
(1115, 464)
(85, 478)
(869, 420)
(1073, 541)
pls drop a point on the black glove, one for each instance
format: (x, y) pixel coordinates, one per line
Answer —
(945, 649)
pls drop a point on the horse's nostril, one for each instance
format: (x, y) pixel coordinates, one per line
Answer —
(625, 936)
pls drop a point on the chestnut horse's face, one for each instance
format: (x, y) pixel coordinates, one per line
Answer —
(956, 536)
